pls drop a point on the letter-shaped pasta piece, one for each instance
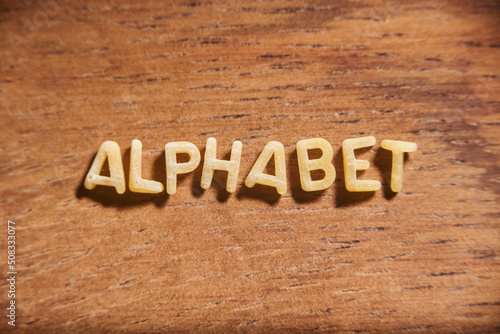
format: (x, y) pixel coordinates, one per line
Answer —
(351, 165)
(398, 149)
(257, 175)
(135, 182)
(174, 168)
(211, 163)
(111, 151)
(306, 165)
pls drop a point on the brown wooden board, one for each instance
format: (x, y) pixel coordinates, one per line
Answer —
(77, 73)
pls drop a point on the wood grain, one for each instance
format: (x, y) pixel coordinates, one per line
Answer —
(81, 72)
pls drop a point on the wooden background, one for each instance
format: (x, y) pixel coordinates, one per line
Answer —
(77, 73)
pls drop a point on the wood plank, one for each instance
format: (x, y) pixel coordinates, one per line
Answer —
(77, 73)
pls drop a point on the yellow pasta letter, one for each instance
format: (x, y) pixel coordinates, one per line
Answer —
(398, 149)
(111, 151)
(212, 163)
(306, 165)
(351, 165)
(256, 174)
(135, 182)
(174, 168)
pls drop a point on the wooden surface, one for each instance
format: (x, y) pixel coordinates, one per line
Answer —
(425, 260)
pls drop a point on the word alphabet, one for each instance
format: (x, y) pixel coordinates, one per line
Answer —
(111, 151)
